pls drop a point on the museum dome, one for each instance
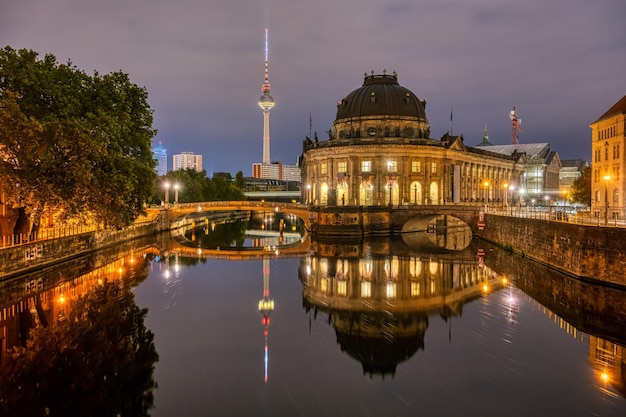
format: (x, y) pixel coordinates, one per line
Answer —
(381, 95)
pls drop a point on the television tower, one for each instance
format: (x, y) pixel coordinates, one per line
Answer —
(266, 306)
(266, 102)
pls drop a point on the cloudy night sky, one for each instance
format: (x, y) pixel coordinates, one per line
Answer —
(561, 63)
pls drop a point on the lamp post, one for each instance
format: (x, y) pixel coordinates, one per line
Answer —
(506, 192)
(415, 194)
(606, 199)
(176, 187)
(486, 185)
(167, 193)
(390, 166)
(308, 193)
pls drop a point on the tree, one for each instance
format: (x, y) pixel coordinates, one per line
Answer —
(196, 186)
(77, 143)
(581, 188)
(240, 181)
(99, 361)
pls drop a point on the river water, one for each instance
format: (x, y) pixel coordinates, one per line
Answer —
(382, 327)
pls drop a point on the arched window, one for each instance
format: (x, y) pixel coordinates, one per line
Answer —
(366, 193)
(434, 193)
(416, 193)
(324, 194)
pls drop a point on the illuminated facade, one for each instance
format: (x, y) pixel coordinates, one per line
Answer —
(608, 141)
(380, 152)
(187, 160)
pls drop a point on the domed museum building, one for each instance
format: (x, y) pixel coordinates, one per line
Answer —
(379, 152)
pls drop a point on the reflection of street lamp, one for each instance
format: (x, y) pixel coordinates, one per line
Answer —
(606, 199)
(167, 193)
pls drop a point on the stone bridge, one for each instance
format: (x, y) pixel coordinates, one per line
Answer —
(373, 220)
(346, 220)
(177, 212)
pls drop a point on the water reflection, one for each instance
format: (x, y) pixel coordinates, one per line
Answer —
(78, 345)
(380, 297)
(380, 304)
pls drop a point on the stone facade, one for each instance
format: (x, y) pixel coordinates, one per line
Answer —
(380, 153)
(608, 145)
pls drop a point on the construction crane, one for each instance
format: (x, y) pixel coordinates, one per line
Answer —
(516, 127)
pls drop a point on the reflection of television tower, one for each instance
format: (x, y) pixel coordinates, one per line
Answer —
(266, 102)
(516, 125)
(266, 306)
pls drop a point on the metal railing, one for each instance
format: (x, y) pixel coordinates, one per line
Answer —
(558, 214)
(44, 234)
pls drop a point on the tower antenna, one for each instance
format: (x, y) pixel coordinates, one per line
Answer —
(266, 102)
(516, 127)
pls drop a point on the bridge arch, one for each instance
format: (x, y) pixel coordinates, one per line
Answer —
(179, 210)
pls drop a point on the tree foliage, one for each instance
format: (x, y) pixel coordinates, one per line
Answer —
(581, 188)
(194, 186)
(78, 143)
(98, 361)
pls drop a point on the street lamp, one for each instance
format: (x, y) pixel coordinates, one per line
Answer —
(486, 185)
(390, 183)
(415, 194)
(176, 187)
(308, 193)
(167, 193)
(606, 199)
(506, 192)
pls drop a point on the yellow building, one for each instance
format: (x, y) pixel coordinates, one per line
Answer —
(380, 152)
(608, 137)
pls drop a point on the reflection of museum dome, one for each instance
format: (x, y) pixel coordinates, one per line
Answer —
(381, 95)
(380, 341)
(379, 355)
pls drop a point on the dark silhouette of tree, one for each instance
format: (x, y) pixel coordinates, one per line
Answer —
(98, 361)
(581, 188)
(240, 181)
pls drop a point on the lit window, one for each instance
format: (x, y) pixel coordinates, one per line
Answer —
(366, 166)
(342, 166)
(415, 289)
(416, 166)
(366, 289)
(342, 287)
(433, 167)
(324, 169)
(392, 166)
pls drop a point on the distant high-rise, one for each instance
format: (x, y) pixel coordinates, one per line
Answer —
(187, 160)
(160, 154)
(266, 102)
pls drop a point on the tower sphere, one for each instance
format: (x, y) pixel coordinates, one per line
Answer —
(266, 102)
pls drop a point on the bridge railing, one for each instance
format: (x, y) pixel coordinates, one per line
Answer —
(45, 234)
(557, 214)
